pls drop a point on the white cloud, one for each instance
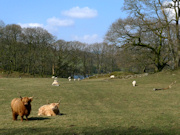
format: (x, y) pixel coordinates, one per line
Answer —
(25, 25)
(59, 22)
(77, 12)
(53, 24)
(87, 38)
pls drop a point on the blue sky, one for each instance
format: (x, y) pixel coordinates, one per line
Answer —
(81, 20)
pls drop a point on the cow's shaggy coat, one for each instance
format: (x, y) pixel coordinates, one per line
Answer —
(21, 106)
(49, 109)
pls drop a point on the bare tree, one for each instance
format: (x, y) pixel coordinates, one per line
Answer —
(161, 12)
(134, 34)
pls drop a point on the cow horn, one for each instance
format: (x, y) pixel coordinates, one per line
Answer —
(59, 101)
(47, 101)
(20, 97)
(31, 97)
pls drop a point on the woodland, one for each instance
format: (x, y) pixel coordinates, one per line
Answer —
(148, 40)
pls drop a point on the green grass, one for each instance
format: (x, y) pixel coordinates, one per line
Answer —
(95, 106)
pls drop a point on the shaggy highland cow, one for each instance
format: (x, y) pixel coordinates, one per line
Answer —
(21, 106)
(49, 110)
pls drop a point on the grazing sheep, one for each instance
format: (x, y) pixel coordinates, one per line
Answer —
(112, 76)
(69, 78)
(78, 79)
(21, 106)
(134, 83)
(55, 83)
(49, 110)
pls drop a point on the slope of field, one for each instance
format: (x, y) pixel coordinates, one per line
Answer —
(95, 106)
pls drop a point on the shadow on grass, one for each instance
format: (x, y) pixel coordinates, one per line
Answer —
(42, 118)
(89, 131)
(62, 114)
(37, 118)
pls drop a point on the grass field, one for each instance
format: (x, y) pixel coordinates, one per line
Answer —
(95, 106)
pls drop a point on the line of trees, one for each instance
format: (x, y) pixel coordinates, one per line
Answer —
(148, 40)
(36, 51)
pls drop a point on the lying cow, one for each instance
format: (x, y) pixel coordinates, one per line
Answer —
(21, 106)
(49, 110)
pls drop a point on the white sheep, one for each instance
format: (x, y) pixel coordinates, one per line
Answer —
(112, 76)
(78, 79)
(69, 78)
(55, 83)
(134, 83)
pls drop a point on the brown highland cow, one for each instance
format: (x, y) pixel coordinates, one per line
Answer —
(21, 106)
